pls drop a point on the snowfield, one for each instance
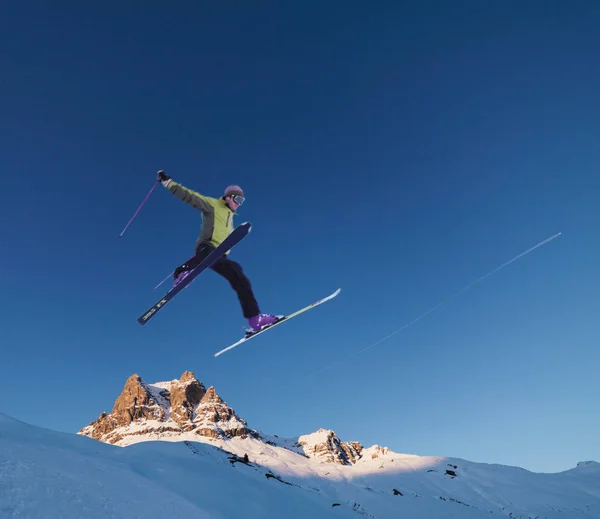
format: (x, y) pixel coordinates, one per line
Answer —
(47, 474)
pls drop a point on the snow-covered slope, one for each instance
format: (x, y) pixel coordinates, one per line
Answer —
(45, 474)
(48, 475)
(383, 484)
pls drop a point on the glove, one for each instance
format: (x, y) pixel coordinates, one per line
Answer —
(163, 178)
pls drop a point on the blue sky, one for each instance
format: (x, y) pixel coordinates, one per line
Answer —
(398, 152)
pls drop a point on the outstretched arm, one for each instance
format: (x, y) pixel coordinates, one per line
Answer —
(196, 200)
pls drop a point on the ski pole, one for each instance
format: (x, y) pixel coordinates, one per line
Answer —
(164, 280)
(138, 209)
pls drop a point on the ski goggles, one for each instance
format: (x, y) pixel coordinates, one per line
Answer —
(238, 199)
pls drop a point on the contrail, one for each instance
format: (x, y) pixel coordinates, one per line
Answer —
(439, 305)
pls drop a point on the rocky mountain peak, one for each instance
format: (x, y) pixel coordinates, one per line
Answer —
(185, 395)
(183, 408)
(211, 397)
(188, 376)
(326, 445)
(166, 409)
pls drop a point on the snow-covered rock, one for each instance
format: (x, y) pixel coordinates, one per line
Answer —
(326, 446)
(165, 409)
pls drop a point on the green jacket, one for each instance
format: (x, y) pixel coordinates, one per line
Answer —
(217, 218)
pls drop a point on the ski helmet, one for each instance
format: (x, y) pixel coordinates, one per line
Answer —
(233, 190)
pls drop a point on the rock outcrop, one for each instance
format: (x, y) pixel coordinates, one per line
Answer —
(166, 409)
(184, 408)
(326, 445)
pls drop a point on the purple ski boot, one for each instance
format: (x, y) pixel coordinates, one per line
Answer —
(260, 321)
(179, 277)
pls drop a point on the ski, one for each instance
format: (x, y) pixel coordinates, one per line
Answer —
(237, 235)
(283, 319)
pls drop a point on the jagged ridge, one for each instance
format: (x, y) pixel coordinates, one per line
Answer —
(184, 410)
(165, 409)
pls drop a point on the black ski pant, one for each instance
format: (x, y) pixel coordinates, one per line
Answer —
(232, 272)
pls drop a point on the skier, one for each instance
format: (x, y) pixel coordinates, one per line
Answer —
(217, 224)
